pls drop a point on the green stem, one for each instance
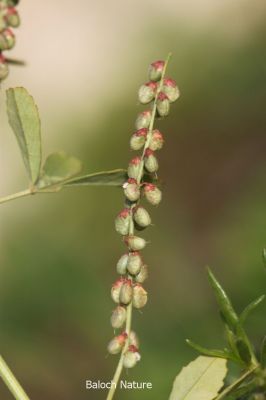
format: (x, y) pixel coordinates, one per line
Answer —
(234, 385)
(11, 382)
(14, 196)
(119, 367)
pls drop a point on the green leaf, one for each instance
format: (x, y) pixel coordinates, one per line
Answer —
(25, 121)
(249, 308)
(106, 178)
(263, 353)
(243, 351)
(211, 352)
(58, 168)
(200, 380)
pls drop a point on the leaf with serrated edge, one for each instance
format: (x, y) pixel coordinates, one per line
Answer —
(57, 168)
(24, 119)
(106, 178)
(200, 380)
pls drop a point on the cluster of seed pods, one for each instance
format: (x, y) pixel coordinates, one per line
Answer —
(9, 18)
(128, 291)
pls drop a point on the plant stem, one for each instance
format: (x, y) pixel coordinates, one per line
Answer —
(119, 367)
(14, 196)
(11, 382)
(234, 385)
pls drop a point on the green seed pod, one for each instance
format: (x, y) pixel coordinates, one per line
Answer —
(156, 70)
(140, 296)
(142, 275)
(7, 40)
(131, 357)
(157, 140)
(134, 263)
(117, 343)
(143, 120)
(122, 221)
(135, 243)
(163, 105)
(12, 18)
(4, 69)
(131, 189)
(152, 194)
(141, 216)
(126, 292)
(138, 139)
(147, 92)
(134, 168)
(3, 23)
(118, 317)
(121, 266)
(115, 290)
(150, 161)
(170, 89)
(133, 339)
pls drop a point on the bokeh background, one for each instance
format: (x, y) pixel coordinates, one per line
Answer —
(85, 62)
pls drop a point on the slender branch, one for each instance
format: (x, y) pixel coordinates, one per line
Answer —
(119, 367)
(11, 382)
(14, 196)
(234, 385)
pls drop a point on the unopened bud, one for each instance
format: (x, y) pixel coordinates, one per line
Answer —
(163, 105)
(118, 317)
(135, 243)
(12, 17)
(156, 70)
(117, 343)
(141, 216)
(126, 292)
(170, 89)
(139, 296)
(150, 161)
(147, 92)
(131, 357)
(143, 120)
(156, 142)
(7, 40)
(142, 275)
(133, 339)
(131, 189)
(134, 168)
(122, 221)
(134, 263)
(138, 139)
(121, 266)
(152, 194)
(115, 290)
(4, 69)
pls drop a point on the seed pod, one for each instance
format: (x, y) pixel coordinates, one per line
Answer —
(133, 339)
(163, 105)
(138, 139)
(156, 70)
(131, 357)
(152, 194)
(135, 243)
(141, 216)
(122, 221)
(126, 292)
(4, 69)
(12, 18)
(7, 40)
(156, 142)
(134, 263)
(134, 167)
(121, 266)
(115, 290)
(150, 161)
(143, 120)
(139, 296)
(170, 89)
(3, 23)
(118, 317)
(147, 92)
(142, 275)
(117, 343)
(131, 189)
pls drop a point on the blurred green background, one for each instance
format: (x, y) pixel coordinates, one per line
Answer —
(58, 252)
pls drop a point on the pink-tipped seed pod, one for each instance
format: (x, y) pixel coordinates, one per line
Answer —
(163, 105)
(138, 139)
(156, 70)
(170, 89)
(118, 317)
(150, 161)
(152, 194)
(147, 92)
(143, 119)
(140, 296)
(122, 221)
(135, 243)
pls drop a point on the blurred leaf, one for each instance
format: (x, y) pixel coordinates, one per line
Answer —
(209, 352)
(263, 353)
(224, 302)
(106, 178)
(264, 256)
(231, 340)
(57, 168)
(200, 380)
(25, 121)
(243, 351)
(249, 308)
